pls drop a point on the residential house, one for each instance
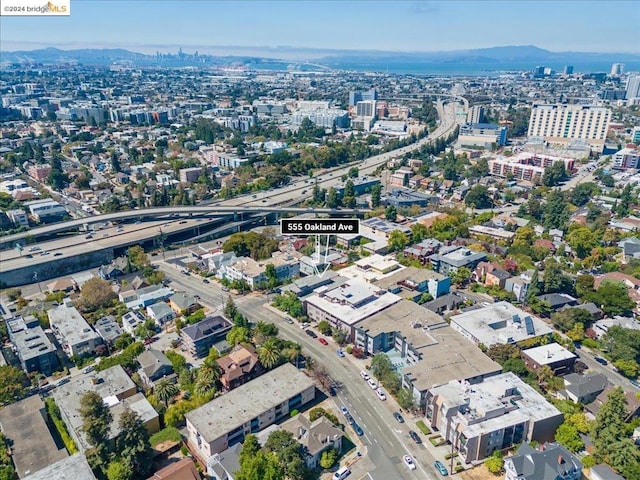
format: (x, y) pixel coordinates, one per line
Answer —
(558, 300)
(601, 327)
(551, 461)
(131, 320)
(584, 388)
(519, 286)
(154, 365)
(69, 468)
(108, 329)
(183, 303)
(316, 437)
(590, 307)
(224, 465)
(183, 469)
(423, 250)
(633, 403)
(161, 313)
(144, 296)
(66, 285)
(604, 472)
(497, 277)
(210, 332)
(239, 366)
(552, 355)
(630, 248)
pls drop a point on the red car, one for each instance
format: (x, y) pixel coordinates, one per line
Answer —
(323, 341)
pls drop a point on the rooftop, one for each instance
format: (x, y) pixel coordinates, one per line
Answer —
(207, 327)
(248, 401)
(409, 276)
(108, 328)
(548, 354)
(499, 322)
(33, 447)
(549, 462)
(583, 385)
(74, 467)
(30, 342)
(461, 256)
(71, 325)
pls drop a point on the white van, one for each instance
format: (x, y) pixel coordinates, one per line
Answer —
(342, 473)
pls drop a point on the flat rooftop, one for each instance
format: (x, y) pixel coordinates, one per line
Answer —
(71, 325)
(33, 446)
(409, 275)
(547, 354)
(75, 467)
(499, 323)
(446, 355)
(241, 405)
(32, 343)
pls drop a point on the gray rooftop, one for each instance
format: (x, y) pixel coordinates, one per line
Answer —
(160, 309)
(183, 300)
(108, 328)
(207, 327)
(584, 385)
(151, 360)
(239, 406)
(71, 325)
(75, 467)
(33, 447)
(605, 472)
(550, 462)
(461, 257)
(410, 275)
(31, 343)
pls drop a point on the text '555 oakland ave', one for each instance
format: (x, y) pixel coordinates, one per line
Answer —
(320, 226)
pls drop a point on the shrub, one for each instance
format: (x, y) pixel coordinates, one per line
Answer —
(423, 427)
(294, 413)
(54, 415)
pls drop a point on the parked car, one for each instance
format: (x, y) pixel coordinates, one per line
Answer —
(311, 333)
(414, 436)
(441, 468)
(289, 320)
(323, 341)
(225, 289)
(63, 382)
(344, 410)
(364, 375)
(372, 383)
(408, 461)
(350, 419)
(601, 361)
(305, 325)
(358, 430)
(89, 369)
(205, 280)
(381, 394)
(398, 417)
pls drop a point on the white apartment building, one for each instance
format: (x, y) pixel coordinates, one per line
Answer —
(559, 124)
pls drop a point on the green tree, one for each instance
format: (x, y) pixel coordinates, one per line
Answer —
(380, 365)
(613, 298)
(238, 335)
(554, 174)
(625, 458)
(324, 327)
(230, 309)
(495, 462)
(165, 390)
(137, 256)
(96, 293)
(206, 379)
(608, 426)
(333, 200)
(500, 353)
(96, 423)
(461, 276)
(376, 194)
(478, 197)
(328, 458)
(582, 241)
(568, 435)
(133, 443)
(269, 354)
(418, 232)
(119, 470)
(12, 384)
(397, 241)
(288, 452)
(628, 368)
(250, 447)
(555, 213)
(390, 213)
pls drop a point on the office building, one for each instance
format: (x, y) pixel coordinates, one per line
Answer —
(366, 108)
(361, 96)
(617, 69)
(550, 461)
(33, 347)
(499, 323)
(560, 124)
(476, 114)
(482, 135)
(76, 336)
(633, 87)
(250, 408)
(495, 414)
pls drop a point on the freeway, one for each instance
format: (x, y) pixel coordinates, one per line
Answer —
(385, 440)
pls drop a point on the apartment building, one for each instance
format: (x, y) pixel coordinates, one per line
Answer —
(495, 414)
(482, 135)
(250, 408)
(626, 158)
(33, 347)
(526, 166)
(76, 336)
(210, 332)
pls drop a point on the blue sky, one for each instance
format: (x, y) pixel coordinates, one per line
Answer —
(147, 26)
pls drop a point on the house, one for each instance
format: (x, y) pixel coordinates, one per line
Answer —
(633, 403)
(545, 243)
(584, 388)
(154, 365)
(630, 248)
(161, 313)
(551, 461)
(183, 303)
(108, 329)
(602, 326)
(76, 336)
(249, 408)
(239, 366)
(183, 469)
(556, 357)
(592, 308)
(604, 472)
(115, 269)
(497, 277)
(223, 465)
(315, 437)
(210, 332)
(558, 300)
(144, 296)
(519, 286)
(131, 320)
(66, 285)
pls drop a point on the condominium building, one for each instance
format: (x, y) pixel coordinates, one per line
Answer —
(526, 166)
(626, 158)
(210, 332)
(495, 414)
(559, 124)
(250, 408)
(76, 336)
(326, 118)
(34, 349)
(39, 172)
(633, 87)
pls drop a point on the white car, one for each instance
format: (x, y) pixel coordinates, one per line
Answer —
(408, 461)
(381, 394)
(364, 374)
(372, 383)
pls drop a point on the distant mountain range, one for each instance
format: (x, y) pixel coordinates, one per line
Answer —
(506, 57)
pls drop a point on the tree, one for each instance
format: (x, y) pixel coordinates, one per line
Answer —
(555, 213)
(376, 193)
(583, 193)
(238, 335)
(390, 213)
(625, 458)
(501, 352)
(554, 174)
(206, 379)
(582, 241)
(328, 458)
(269, 354)
(478, 197)
(250, 447)
(608, 426)
(380, 365)
(418, 232)
(324, 327)
(288, 452)
(554, 280)
(406, 399)
(133, 443)
(566, 319)
(333, 200)
(397, 241)
(461, 276)
(96, 293)
(230, 309)
(628, 368)
(96, 420)
(495, 462)
(568, 435)
(119, 470)
(613, 297)
(137, 256)
(165, 390)
(12, 384)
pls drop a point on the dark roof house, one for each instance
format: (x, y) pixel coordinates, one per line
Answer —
(550, 462)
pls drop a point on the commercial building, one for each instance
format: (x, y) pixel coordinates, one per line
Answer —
(326, 118)
(33, 347)
(626, 158)
(497, 413)
(46, 210)
(224, 421)
(499, 323)
(361, 96)
(482, 135)
(412, 282)
(210, 332)
(559, 124)
(117, 391)
(76, 336)
(550, 461)
(33, 448)
(555, 356)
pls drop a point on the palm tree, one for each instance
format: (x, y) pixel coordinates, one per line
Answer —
(292, 353)
(206, 379)
(269, 354)
(165, 391)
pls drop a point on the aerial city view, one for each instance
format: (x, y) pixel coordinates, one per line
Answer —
(299, 240)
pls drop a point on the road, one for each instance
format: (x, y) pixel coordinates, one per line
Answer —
(385, 440)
